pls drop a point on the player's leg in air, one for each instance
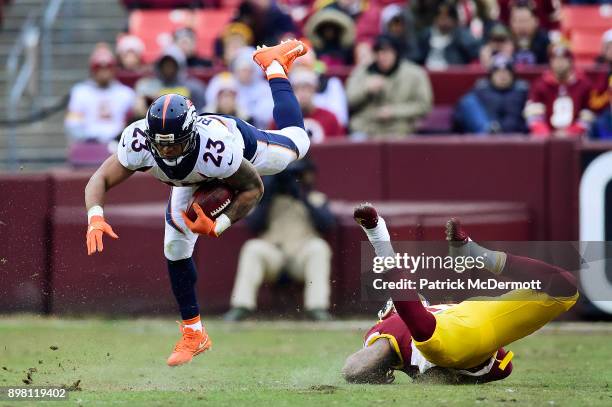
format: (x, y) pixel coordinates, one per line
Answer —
(270, 152)
(468, 336)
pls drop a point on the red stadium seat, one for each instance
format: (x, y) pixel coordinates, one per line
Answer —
(155, 28)
(596, 19)
(209, 24)
(585, 46)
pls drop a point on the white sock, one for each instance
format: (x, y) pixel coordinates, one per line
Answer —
(196, 326)
(275, 68)
(381, 240)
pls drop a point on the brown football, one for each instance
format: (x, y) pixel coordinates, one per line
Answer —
(213, 198)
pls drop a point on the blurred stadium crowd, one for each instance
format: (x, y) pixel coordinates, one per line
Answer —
(368, 74)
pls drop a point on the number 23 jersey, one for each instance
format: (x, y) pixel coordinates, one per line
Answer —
(217, 154)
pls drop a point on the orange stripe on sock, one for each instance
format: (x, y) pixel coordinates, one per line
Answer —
(277, 75)
(191, 321)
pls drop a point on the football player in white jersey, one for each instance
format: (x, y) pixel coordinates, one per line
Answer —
(182, 149)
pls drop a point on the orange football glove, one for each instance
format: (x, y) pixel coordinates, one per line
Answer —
(97, 227)
(203, 225)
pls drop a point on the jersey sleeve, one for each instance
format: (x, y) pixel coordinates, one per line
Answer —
(132, 151)
(220, 152)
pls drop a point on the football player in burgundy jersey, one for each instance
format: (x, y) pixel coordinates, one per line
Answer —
(462, 342)
(182, 149)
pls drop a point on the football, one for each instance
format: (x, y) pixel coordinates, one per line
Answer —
(213, 198)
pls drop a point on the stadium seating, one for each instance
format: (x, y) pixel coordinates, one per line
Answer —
(210, 24)
(155, 27)
(596, 19)
(586, 46)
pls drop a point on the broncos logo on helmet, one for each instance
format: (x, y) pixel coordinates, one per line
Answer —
(170, 129)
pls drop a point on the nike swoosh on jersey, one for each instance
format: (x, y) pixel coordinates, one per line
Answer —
(231, 160)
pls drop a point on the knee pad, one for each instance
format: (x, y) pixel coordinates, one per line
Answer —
(177, 250)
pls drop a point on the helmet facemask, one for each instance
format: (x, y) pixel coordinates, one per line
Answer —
(184, 142)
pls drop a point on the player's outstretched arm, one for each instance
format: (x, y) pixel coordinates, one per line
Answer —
(371, 364)
(110, 173)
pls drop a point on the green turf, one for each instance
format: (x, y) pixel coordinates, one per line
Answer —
(121, 362)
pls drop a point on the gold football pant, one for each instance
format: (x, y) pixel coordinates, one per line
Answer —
(469, 333)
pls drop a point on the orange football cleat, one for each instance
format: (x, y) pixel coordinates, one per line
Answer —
(285, 53)
(191, 344)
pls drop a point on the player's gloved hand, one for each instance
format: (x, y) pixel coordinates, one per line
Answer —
(97, 227)
(203, 225)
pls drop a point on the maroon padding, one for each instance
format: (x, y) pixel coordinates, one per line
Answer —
(471, 169)
(349, 170)
(439, 120)
(129, 276)
(495, 223)
(23, 241)
(69, 189)
(564, 179)
(217, 261)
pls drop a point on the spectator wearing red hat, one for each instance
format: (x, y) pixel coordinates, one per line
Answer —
(99, 107)
(558, 103)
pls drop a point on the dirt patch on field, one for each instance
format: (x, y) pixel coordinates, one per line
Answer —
(76, 386)
(321, 388)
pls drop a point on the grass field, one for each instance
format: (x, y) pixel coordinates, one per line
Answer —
(121, 362)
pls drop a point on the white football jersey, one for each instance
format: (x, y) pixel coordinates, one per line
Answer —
(218, 152)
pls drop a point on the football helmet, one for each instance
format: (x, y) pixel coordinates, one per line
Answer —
(170, 130)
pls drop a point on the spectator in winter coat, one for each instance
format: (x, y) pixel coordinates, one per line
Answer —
(446, 42)
(332, 34)
(495, 104)
(387, 97)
